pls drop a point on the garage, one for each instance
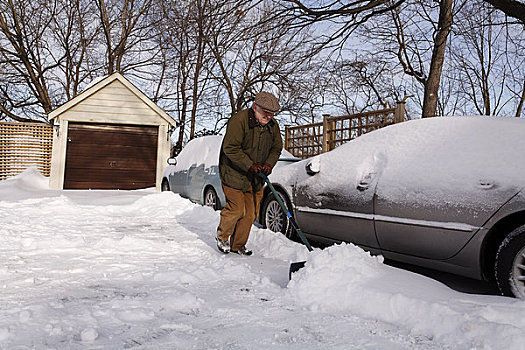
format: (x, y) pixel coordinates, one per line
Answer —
(109, 137)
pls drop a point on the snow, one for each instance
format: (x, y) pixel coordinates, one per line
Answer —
(139, 269)
(409, 301)
(202, 149)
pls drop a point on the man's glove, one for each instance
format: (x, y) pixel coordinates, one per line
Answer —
(266, 169)
(255, 168)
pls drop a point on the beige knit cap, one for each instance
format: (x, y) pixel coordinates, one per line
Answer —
(267, 101)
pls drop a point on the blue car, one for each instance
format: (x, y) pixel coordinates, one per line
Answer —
(194, 173)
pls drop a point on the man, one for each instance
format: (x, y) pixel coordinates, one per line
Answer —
(252, 144)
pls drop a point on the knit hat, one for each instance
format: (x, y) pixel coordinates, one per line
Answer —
(267, 101)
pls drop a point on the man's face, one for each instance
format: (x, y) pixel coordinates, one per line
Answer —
(261, 115)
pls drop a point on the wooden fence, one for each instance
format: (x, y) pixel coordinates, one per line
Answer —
(23, 145)
(312, 139)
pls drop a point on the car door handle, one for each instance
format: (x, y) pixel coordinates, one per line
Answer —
(485, 184)
(362, 186)
(364, 183)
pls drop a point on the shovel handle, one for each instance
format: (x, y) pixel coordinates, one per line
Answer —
(285, 209)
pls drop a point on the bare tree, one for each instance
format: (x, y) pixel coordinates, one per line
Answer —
(77, 39)
(364, 83)
(178, 44)
(438, 57)
(25, 53)
(251, 57)
(177, 51)
(521, 101)
(479, 55)
(125, 27)
(515, 59)
(50, 49)
(202, 24)
(353, 14)
(346, 15)
(183, 49)
(414, 43)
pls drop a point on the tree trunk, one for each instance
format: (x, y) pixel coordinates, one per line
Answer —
(520, 104)
(198, 65)
(104, 21)
(438, 58)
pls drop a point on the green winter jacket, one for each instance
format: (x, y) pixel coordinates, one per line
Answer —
(245, 143)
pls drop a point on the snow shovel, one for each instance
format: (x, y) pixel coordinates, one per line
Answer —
(295, 266)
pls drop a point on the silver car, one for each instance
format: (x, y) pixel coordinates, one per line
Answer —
(194, 173)
(443, 193)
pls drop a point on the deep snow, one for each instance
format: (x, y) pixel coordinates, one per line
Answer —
(139, 269)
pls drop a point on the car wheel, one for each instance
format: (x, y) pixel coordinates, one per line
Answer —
(211, 199)
(510, 264)
(165, 185)
(274, 218)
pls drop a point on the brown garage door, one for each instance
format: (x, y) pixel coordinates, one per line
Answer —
(104, 156)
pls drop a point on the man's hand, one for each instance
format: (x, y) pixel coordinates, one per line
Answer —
(266, 169)
(256, 168)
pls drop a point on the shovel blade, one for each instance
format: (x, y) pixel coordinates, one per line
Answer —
(294, 267)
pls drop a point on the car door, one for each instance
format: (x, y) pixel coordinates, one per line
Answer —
(196, 174)
(429, 221)
(179, 181)
(335, 202)
(438, 190)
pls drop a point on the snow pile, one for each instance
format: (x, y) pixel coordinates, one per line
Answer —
(275, 245)
(30, 179)
(345, 279)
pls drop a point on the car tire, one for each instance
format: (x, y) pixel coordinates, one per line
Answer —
(510, 264)
(274, 218)
(165, 186)
(211, 199)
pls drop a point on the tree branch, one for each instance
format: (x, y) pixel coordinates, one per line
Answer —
(511, 8)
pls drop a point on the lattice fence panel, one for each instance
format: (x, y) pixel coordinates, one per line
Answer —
(24, 145)
(346, 128)
(312, 139)
(305, 141)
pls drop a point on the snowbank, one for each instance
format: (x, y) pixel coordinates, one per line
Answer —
(344, 279)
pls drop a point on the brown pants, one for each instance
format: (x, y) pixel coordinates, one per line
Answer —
(238, 216)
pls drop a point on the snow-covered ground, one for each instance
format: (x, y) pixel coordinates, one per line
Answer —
(139, 269)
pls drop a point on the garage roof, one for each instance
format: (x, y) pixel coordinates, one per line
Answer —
(103, 83)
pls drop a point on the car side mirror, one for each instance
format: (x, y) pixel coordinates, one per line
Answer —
(172, 161)
(313, 166)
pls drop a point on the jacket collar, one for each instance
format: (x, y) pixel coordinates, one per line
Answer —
(252, 121)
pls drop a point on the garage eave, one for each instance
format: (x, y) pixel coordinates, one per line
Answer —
(103, 83)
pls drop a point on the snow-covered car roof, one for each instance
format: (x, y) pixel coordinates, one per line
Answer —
(202, 150)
